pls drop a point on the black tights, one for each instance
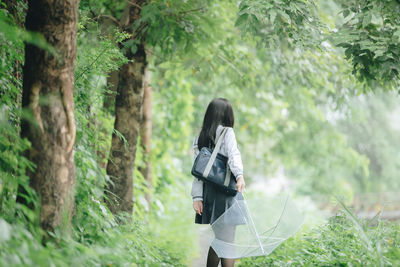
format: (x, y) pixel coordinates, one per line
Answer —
(213, 260)
(227, 233)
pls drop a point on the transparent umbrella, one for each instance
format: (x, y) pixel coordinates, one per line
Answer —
(254, 227)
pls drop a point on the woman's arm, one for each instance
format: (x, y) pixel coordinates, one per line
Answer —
(233, 153)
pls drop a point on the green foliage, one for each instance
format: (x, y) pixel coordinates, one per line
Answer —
(281, 23)
(10, 32)
(173, 28)
(370, 36)
(339, 242)
(368, 32)
(13, 166)
(97, 55)
(103, 9)
(13, 163)
(94, 225)
(307, 141)
(125, 245)
(11, 52)
(173, 104)
(173, 224)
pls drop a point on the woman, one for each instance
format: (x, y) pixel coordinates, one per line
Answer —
(208, 202)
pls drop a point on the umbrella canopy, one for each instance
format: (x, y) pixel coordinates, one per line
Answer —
(255, 227)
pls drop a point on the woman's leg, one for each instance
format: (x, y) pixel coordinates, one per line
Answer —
(229, 237)
(227, 234)
(228, 262)
(212, 259)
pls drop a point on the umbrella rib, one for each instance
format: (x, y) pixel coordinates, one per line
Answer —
(252, 222)
(244, 217)
(280, 217)
(267, 230)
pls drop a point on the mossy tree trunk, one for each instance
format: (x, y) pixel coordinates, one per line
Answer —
(48, 83)
(128, 114)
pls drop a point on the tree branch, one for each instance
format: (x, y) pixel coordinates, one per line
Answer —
(111, 18)
(134, 4)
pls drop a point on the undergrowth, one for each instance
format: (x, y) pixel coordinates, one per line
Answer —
(338, 242)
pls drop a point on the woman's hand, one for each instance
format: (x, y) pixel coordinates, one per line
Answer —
(240, 184)
(198, 206)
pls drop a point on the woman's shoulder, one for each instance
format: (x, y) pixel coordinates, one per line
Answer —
(228, 129)
(220, 128)
(229, 133)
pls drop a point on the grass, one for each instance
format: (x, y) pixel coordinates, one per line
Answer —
(344, 240)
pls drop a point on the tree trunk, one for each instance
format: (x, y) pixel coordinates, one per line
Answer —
(108, 105)
(128, 113)
(112, 85)
(48, 85)
(145, 132)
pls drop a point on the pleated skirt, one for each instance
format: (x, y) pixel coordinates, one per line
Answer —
(215, 203)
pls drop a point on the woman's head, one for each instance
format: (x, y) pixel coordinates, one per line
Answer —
(219, 111)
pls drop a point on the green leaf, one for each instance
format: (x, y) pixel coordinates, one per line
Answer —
(134, 49)
(272, 16)
(367, 19)
(242, 19)
(346, 12)
(284, 16)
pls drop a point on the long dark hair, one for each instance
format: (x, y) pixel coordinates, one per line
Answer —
(219, 111)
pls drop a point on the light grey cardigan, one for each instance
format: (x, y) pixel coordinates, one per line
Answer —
(229, 149)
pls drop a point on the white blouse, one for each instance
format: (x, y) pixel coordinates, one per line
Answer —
(229, 149)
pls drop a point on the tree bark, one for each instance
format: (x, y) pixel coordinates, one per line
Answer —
(128, 113)
(145, 133)
(109, 96)
(48, 85)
